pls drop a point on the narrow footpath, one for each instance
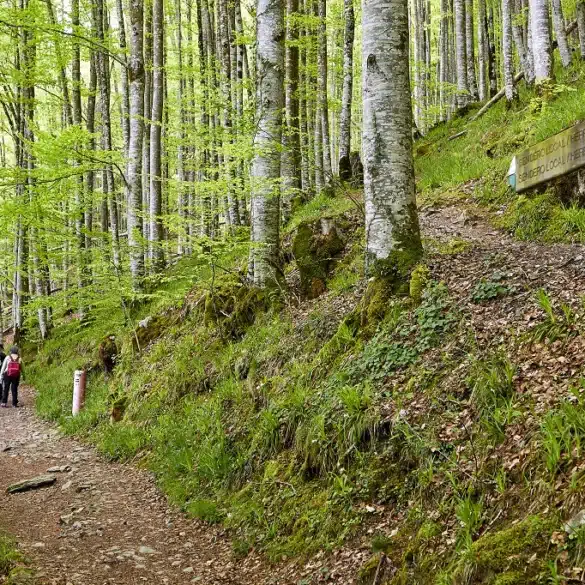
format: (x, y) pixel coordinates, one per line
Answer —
(106, 523)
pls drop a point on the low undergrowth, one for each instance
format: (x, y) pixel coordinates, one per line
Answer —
(13, 569)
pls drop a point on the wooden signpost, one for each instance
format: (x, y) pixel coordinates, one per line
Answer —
(556, 156)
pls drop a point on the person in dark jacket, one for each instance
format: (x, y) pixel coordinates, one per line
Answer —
(10, 375)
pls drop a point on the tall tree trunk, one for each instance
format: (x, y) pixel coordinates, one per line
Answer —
(266, 163)
(461, 53)
(147, 113)
(419, 66)
(108, 186)
(347, 92)
(156, 184)
(482, 50)
(125, 97)
(560, 32)
(134, 169)
(291, 155)
(90, 126)
(581, 25)
(470, 50)
(224, 47)
(322, 79)
(492, 69)
(444, 94)
(541, 43)
(521, 43)
(393, 242)
(182, 204)
(507, 50)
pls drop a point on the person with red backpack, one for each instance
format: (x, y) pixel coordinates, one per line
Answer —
(10, 376)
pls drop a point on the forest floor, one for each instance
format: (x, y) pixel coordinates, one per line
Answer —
(106, 522)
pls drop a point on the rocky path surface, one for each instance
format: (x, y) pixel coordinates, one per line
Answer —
(103, 523)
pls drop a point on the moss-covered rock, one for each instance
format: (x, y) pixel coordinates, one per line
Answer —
(234, 306)
(511, 556)
(418, 281)
(108, 353)
(150, 329)
(315, 250)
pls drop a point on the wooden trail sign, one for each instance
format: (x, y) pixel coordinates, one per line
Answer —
(558, 155)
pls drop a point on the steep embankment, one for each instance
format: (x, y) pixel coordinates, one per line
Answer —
(434, 437)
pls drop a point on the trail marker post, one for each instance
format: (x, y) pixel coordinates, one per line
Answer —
(79, 383)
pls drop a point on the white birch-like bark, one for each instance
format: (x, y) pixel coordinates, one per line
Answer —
(541, 43)
(181, 146)
(347, 91)
(108, 187)
(482, 51)
(560, 33)
(134, 169)
(581, 26)
(521, 43)
(419, 66)
(147, 19)
(266, 164)
(322, 77)
(224, 49)
(125, 97)
(508, 61)
(470, 50)
(461, 53)
(444, 95)
(155, 231)
(291, 140)
(391, 216)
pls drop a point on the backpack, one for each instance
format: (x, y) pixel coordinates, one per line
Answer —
(13, 369)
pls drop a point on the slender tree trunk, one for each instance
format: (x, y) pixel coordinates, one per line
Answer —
(108, 186)
(521, 43)
(461, 53)
(125, 97)
(266, 163)
(444, 95)
(224, 46)
(392, 230)
(492, 69)
(291, 155)
(322, 78)
(511, 93)
(181, 174)
(541, 43)
(482, 50)
(147, 113)
(90, 126)
(156, 184)
(560, 32)
(470, 50)
(581, 26)
(347, 92)
(134, 169)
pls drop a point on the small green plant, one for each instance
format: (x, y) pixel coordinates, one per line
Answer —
(563, 435)
(488, 290)
(492, 392)
(559, 323)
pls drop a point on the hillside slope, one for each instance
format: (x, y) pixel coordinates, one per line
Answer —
(439, 433)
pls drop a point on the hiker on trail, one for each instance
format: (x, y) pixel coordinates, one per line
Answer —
(2, 358)
(10, 376)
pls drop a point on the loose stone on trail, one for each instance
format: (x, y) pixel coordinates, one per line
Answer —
(32, 484)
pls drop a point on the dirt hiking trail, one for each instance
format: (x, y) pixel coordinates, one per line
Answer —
(107, 523)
